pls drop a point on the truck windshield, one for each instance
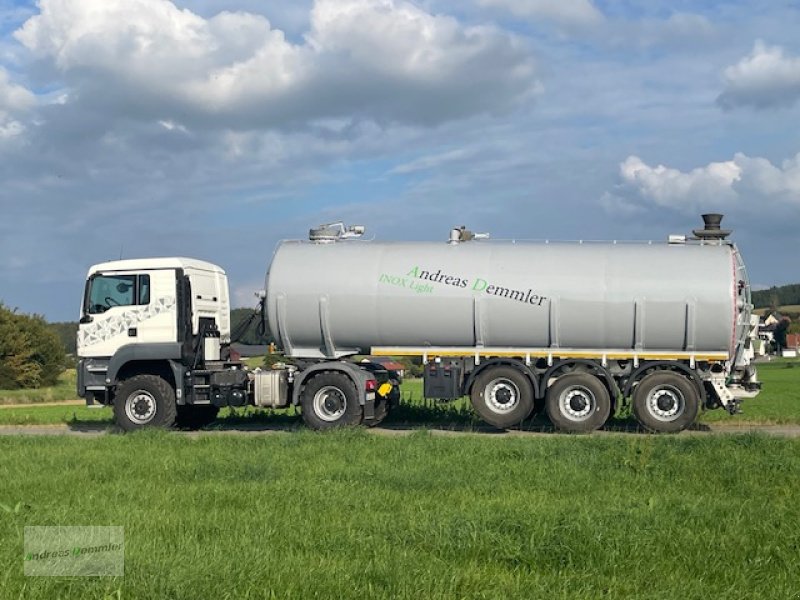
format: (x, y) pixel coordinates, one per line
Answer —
(107, 291)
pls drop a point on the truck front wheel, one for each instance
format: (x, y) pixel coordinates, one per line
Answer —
(144, 401)
(330, 400)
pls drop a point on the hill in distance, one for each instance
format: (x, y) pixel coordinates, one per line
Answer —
(775, 297)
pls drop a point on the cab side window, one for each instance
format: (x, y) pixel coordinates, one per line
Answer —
(144, 289)
(108, 291)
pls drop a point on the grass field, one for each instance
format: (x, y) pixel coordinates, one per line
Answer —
(778, 403)
(65, 390)
(298, 514)
(788, 308)
(350, 515)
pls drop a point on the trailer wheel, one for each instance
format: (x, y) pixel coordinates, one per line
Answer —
(195, 417)
(578, 402)
(330, 400)
(502, 396)
(665, 402)
(144, 401)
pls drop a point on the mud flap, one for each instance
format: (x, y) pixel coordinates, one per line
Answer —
(369, 408)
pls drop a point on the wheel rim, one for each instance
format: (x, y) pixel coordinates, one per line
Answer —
(140, 407)
(666, 403)
(577, 402)
(501, 395)
(330, 403)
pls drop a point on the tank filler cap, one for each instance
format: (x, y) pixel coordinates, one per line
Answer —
(333, 232)
(462, 234)
(712, 229)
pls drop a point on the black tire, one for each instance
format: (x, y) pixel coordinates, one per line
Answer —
(195, 417)
(144, 401)
(330, 400)
(578, 402)
(665, 402)
(502, 396)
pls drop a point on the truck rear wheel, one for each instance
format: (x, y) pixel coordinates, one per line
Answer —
(144, 401)
(502, 396)
(330, 400)
(578, 402)
(665, 402)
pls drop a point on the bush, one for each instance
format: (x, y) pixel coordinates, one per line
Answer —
(31, 355)
(273, 357)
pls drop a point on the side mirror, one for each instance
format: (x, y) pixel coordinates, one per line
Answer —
(86, 319)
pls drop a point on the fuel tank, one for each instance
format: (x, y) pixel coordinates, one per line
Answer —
(332, 299)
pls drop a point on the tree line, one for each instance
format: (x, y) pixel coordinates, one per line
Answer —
(777, 296)
(31, 353)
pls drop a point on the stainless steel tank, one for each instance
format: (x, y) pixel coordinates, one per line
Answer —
(344, 297)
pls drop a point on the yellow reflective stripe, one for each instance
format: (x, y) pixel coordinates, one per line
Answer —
(544, 353)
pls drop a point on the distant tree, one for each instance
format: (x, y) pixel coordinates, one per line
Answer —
(780, 333)
(774, 303)
(31, 354)
(67, 333)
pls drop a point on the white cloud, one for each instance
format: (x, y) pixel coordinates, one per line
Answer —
(764, 78)
(566, 12)
(742, 182)
(14, 99)
(386, 60)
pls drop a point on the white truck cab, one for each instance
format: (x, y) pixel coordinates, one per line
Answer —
(149, 321)
(135, 302)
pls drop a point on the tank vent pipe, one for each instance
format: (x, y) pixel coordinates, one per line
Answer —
(711, 229)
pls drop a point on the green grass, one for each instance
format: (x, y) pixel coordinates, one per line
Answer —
(778, 402)
(54, 415)
(350, 515)
(791, 308)
(63, 390)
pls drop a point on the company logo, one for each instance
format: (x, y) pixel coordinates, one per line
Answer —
(422, 281)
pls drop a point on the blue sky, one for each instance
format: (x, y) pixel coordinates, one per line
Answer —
(214, 129)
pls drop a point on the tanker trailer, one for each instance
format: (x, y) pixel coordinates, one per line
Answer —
(578, 327)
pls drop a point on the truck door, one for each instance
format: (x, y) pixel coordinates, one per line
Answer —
(127, 307)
